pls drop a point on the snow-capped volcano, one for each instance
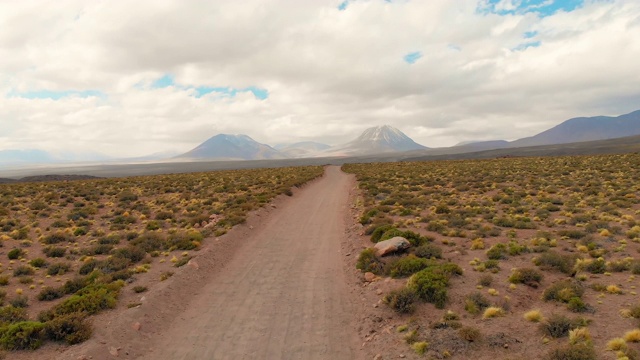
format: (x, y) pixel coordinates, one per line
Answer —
(379, 139)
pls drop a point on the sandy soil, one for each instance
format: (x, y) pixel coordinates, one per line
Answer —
(274, 288)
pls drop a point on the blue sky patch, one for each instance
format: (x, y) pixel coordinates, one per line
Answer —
(200, 91)
(343, 6)
(412, 57)
(56, 95)
(526, 45)
(259, 93)
(163, 82)
(541, 7)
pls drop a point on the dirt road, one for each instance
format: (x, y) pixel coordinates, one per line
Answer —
(283, 297)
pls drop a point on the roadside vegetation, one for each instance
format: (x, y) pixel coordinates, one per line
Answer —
(536, 251)
(69, 249)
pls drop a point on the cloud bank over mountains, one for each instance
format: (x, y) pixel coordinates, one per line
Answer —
(134, 78)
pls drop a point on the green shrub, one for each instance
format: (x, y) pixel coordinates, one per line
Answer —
(379, 231)
(38, 263)
(14, 254)
(71, 328)
(557, 326)
(106, 266)
(127, 196)
(576, 304)
(75, 284)
(20, 301)
(428, 251)
(25, 335)
(183, 261)
(164, 215)
(4, 280)
(54, 252)
(406, 266)
(98, 249)
(431, 283)
(56, 238)
(555, 261)
(10, 314)
(401, 300)
(449, 268)
(563, 291)
(89, 300)
(149, 241)
(58, 269)
(485, 280)
(131, 253)
(618, 266)
(527, 276)
(368, 261)
(572, 352)
(139, 289)
(476, 303)
(23, 270)
(184, 240)
(598, 266)
(49, 294)
(497, 252)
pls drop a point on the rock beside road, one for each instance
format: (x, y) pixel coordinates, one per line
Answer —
(392, 245)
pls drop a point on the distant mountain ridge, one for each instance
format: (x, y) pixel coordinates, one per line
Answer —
(374, 140)
(232, 147)
(580, 129)
(585, 129)
(383, 139)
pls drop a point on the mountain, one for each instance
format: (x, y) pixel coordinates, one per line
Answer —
(232, 147)
(585, 129)
(13, 157)
(302, 149)
(377, 140)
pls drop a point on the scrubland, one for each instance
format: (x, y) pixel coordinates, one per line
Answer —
(69, 249)
(510, 256)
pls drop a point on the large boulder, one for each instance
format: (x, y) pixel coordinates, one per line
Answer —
(392, 245)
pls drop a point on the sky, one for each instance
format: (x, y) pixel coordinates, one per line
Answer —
(132, 78)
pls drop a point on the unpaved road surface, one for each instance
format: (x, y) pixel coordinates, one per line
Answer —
(284, 299)
(276, 291)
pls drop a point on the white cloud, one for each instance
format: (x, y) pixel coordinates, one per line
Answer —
(329, 73)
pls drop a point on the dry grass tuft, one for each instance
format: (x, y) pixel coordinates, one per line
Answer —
(632, 336)
(533, 315)
(492, 312)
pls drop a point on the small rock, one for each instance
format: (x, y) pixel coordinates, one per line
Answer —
(377, 357)
(82, 357)
(142, 299)
(378, 292)
(402, 356)
(193, 264)
(113, 351)
(375, 305)
(136, 326)
(348, 254)
(369, 276)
